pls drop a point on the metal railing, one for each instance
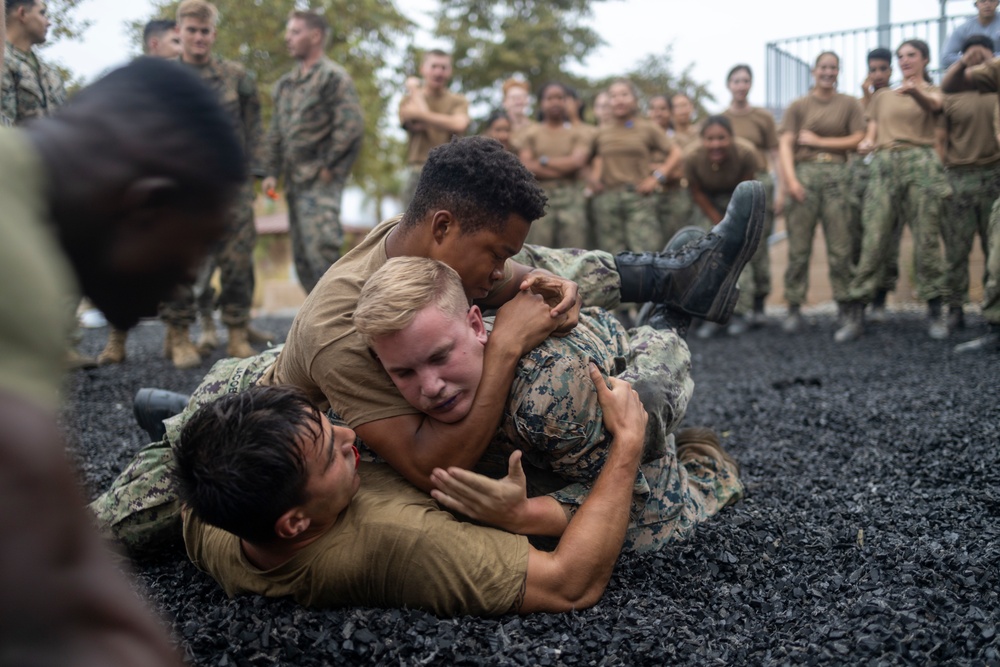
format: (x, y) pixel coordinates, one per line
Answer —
(789, 61)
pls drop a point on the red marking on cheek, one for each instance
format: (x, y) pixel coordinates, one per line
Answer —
(357, 457)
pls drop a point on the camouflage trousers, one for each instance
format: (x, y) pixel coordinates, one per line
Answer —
(234, 258)
(594, 271)
(860, 168)
(314, 225)
(909, 185)
(991, 291)
(565, 224)
(975, 190)
(626, 220)
(827, 187)
(141, 510)
(674, 210)
(554, 417)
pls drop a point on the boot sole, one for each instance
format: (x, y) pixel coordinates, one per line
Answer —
(725, 301)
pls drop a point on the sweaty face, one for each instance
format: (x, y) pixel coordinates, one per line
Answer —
(436, 362)
(36, 22)
(479, 257)
(332, 468)
(197, 38)
(622, 100)
(717, 143)
(659, 112)
(436, 71)
(299, 38)
(739, 85)
(880, 72)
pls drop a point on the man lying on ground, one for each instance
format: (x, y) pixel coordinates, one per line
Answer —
(415, 317)
(471, 211)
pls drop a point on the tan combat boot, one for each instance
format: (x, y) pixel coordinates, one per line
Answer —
(114, 350)
(209, 338)
(239, 343)
(182, 351)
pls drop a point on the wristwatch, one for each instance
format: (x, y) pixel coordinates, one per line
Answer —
(658, 175)
(544, 160)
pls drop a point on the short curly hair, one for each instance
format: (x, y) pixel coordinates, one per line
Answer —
(479, 182)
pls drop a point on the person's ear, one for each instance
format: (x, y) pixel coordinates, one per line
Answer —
(143, 222)
(443, 223)
(291, 524)
(474, 318)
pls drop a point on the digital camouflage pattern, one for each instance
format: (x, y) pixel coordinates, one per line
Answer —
(828, 199)
(975, 190)
(237, 92)
(991, 291)
(593, 271)
(31, 88)
(626, 220)
(317, 124)
(565, 224)
(860, 169)
(141, 510)
(675, 210)
(909, 184)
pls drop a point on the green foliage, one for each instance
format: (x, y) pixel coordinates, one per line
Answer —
(366, 37)
(493, 39)
(64, 24)
(654, 75)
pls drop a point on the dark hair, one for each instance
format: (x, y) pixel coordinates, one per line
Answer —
(158, 115)
(14, 4)
(880, 53)
(737, 68)
(480, 182)
(921, 46)
(541, 93)
(312, 20)
(719, 120)
(494, 116)
(436, 52)
(157, 27)
(240, 463)
(665, 97)
(978, 40)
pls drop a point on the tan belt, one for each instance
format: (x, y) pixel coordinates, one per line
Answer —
(824, 157)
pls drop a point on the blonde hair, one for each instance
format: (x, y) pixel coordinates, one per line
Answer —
(515, 83)
(393, 296)
(199, 10)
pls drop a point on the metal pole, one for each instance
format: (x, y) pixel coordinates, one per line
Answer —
(883, 23)
(942, 27)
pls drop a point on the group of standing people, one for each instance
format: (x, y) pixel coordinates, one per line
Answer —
(862, 168)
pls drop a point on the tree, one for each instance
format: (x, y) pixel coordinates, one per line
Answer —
(64, 24)
(365, 39)
(493, 39)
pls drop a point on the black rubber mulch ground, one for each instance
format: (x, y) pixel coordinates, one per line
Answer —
(869, 535)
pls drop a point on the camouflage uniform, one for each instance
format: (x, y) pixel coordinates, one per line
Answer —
(674, 210)
(565, 224)
(755, 281)
(237, 93)
(827, 186)
(910, 184)
(141, 509)
(31, 88)
(991, 291)
(317, 124)
(975, 191)
(626, 220)
(553, 414)
(860, 169)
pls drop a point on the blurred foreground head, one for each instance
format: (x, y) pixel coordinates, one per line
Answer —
(142, 167)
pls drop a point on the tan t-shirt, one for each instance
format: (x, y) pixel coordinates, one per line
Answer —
(626, 150)
(687, 137)
(422, 142)
(392, 547)
(743, 162)
(756, 126)
(986, 77)
(37, 281)
(541, 140)
(901, 121)
(970, 119)
(839, 116)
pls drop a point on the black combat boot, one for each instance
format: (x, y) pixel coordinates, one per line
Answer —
(700, 279)
(657, 315)
(854, 322)
(988, 343)
(152, 406)
(937, 323)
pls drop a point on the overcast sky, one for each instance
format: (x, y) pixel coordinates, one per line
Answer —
(710, 35)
